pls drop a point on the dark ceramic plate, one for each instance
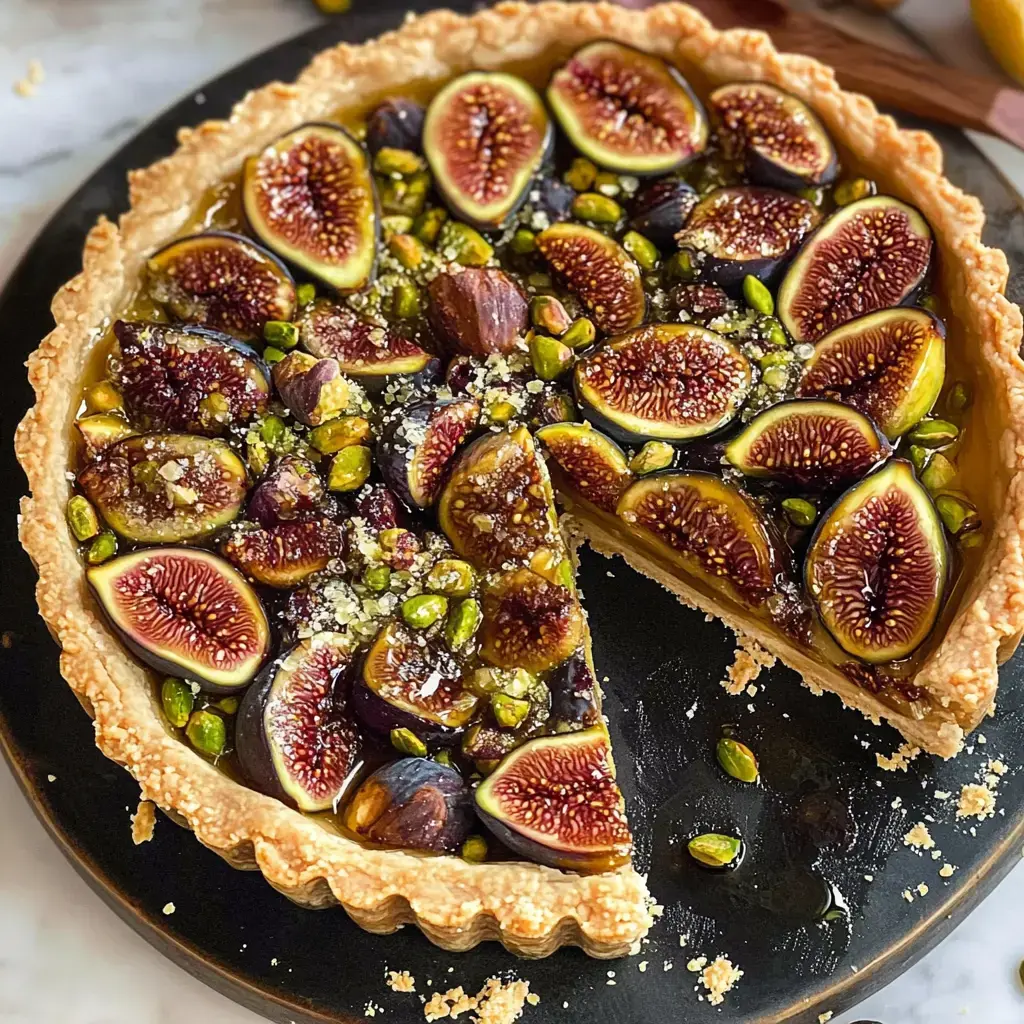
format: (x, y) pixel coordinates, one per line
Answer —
(799, 916)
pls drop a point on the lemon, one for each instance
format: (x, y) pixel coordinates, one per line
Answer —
(1001, 24)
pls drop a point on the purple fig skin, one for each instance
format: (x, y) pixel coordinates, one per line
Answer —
(395, 124)
(554, 199)
(380, 508)
(291, 489)
(380, 717)
(477, 312)
(661, 210)
(301, 393)
(414, 804)
(573, 695)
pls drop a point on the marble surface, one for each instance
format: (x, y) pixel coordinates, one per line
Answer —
(110, 65)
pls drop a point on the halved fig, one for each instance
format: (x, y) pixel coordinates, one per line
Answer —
(188, 378)
(498, 506)
(594, 464)
(101, 430)
(869, 255)
(410, 683)
(529, 622)
(365, 351)
(670, 381)
(710, 529)
(166, 488)
(555, 801)
(477, 312)
(574, 696)
(414, 804)
(817, 445)
(888, 365)
(309, 197)
(295, 736)
(877, 565)
(185, 612)
(292, 488)
(599, 272)
(661, 210)
(745, 230)
(223, 281)
(417, 446)
(776, 135)
(282, 556)
(626, 110)
(485, 136)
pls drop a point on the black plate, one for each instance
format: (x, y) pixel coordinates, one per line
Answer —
(825, 818)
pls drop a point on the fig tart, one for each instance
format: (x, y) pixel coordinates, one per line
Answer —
(308, 415)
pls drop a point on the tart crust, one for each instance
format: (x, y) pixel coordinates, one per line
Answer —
(531, 909)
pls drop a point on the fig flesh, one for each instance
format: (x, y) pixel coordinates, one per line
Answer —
(295, 736)
(529, 622)
(370, 354)
(811, 444)
(661, 210)
(673, 382)
(599, 272)
(185, 613)
(781, 142)
(555, 801)
(309, 197)
(745, 231)
(626, 110)
(188, 378)
(877, 565)
(477, 312)
(416, 448)
(485, 136)
(166, 488)
(408, 683)
(222, 281)
(888, 365)
(870, 255)
(282, 556)
(498, 506)
(413, 804)
(708, 528)
(594, 464)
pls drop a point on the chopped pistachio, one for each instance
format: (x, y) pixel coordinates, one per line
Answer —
(396, 224)
(377, 578)
(919, 458)
(102, 548)
(423, 610)
(959, 397)
(474, 849)
(272, 354)
(405, 196)
(642, 249)
(305, 293)
(464, 244)
(564, 575)
(207, 732)
(499, 411)
(581, 174)
(737, 760)
(273, 429)
(607, 183)
(850, 191)
(215, 408)
(406, 301)
(523, 242)
(776, 377)
(799, 511)
(408, 250)
(549, 315)
(757, 296)
(770, 359)
(176, 699)
(229, 705)
(773, 331)
(653, 456)
(713, 849)
(681, 268)
(933, 433)
(581, 334)
(813, 194)
(938, 473)
(971, 539)
(349, 468)
(957, 515)
(103, 396)
(509, 712)
(462, 624)
(444, 757)
(549, 356)
(452, 577)
(82, 518)
(405, 741)
(596, 208)
(257, 457)
(341, 432)
(427, 226)
(397, 161)
(281, 333)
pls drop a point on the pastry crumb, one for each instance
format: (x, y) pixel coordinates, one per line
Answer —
(697, 964)
(498, 1002)
(946, 871)
(169, 909)
(371, 1009)
(922, 889)
(718, 978)
(919, 837)
(642, 966)
(401, 981)
(749, 660)
(34, 76)
(824, 1018)
(976, 801)
(143, 822)
(51, 778)
(900, 760)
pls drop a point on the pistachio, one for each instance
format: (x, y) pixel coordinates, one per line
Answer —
(770, 359)
(714, 850)
(550, 357)
(341, 432)
(499, 412)
(549, 315)
(653, 456)
(681, 268)
(349, 468)
(919, 458)
(229, 705)
(959, 397)
(607, 183)
(474, 849)
(462, 624)
(513, 682)
(102, 548)
(813, 194)
(404, 196)
(408, 250)
(938, 473)
(957, 515)
(176, 699)
(799, 511)
(82, 518)
(397, 161)
(564, 574)
(215, 408)
(523, 242)
(282, 333)
(427, 226)
(757, 296)
(444, 757)
(773, 331)
(273, 430)
(776, 378)
(305, 293)
(972, 538)
(377, 578)
(580, 175)
(272, 354)
(406, 301)
(509, 712)
(424, 610)
(405, 741)
(396, 224)
(933, 433)
(462, 244)
(102, 397)
(207, 732)
(452, 577)
(737, 760)
(596, 208)
(257, 458)
(643, 250)
(581, 334)
(850, 191)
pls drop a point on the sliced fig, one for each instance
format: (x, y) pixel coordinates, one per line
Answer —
(776, 135)
(812, 444)
(708, 528)
(295, 737)
(661, 210)
(416, 447)
(594, 464)
(485, 136)
(574, 696)
(555, 801)
(395, 124)
(284, 555)
(410, 683)
(101, 430)
(309, 197)
(869, 255)
(223, 281)
(626, 110)
(365, 351)
(888, 365)
(478, 312)
(529, 622)
(292, 488)
(166, 488)
(745, 230)
(670, 381)
(497, 506)
(599, 272)
(188, 378)
(414, 804)
(877, 565)
(185, 612)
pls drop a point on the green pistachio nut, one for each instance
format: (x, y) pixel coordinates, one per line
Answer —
(272, 354)
(714, 850)
(548, 314)
(581, 334)
(776, 378)
(463, 244)
(938, 473)
(102, 396)
(406, 301)
(305, 293)
(564, 575)
(452, 577)
(377, 578)
(82, 518)
(499, 411)
(934, 433)
(427, 226)
(257, 457)
(339, 433)
(405, 741)
(737, 760)
(207, 732)
(799, 511)
(581, 174)
(176, 699)
(596, 208)
(929, 302)
(474, 849)
(653, 456)
(102, 548)
(850, 191)
(524, 241)
(397, 161)
(607, 183)
(229, 705)
(757, 296)
(770, 359)
(408, 250)
(681, 267)
(957, 515)
(273, 430)
(396, 224)
(509, 712)
(349, 468)
(423, 610)
(972, 538)
(404, 196)
(959, 397)
(444, 757)
(643, 250)
(282, 333)
(919, 458)
(550, 357)
(462, 624)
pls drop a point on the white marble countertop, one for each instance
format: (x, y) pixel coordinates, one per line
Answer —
(110, 66)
